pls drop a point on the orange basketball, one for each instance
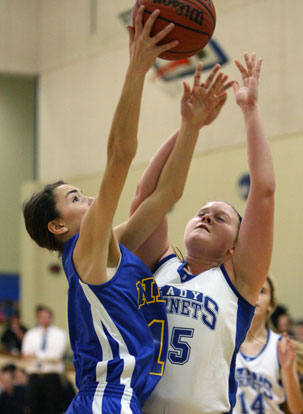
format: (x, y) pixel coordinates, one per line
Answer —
(194, 20)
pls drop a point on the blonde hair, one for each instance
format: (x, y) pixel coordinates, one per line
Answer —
(178, 253)
(299, 355)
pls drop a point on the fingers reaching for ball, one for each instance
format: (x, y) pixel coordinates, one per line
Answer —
(144, 48)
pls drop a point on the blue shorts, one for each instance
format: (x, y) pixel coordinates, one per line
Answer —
(105, 399)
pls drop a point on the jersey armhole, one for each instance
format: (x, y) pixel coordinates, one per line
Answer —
(248, 305)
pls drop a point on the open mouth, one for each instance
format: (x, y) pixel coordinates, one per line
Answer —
(204, 227)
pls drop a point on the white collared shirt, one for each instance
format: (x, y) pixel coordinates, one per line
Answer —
(48, 360)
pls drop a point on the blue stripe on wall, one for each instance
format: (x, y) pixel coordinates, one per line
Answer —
(9, 286)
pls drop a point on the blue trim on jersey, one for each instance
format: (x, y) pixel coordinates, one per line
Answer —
(160, 263)
(245, 315)
(279, 364)
(243, 300)
(184, 275)
(244, 318)
(251, 358)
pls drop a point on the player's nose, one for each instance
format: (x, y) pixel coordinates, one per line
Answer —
(207, 218)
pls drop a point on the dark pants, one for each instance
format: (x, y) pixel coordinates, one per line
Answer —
(45, 394)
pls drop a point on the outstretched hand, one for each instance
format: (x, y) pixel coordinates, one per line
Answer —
(287, 355)
(143, 48)
(247, 95)
(202, 104)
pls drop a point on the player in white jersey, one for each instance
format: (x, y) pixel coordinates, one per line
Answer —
(266, 367)
(211, 295)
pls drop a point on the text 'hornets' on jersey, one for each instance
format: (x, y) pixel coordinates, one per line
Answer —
(257, 382)
(190, 303)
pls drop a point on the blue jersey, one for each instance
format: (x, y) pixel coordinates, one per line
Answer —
(118, 334)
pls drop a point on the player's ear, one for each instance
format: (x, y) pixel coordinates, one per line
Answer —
(232, 250)
(57, 228)
(229, 253)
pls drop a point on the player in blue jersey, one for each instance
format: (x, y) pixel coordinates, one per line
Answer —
(117, 317)
(266, 366)
(210, 297)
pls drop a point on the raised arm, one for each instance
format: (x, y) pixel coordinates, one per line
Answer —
(96, 248)
(253, 250)
(198, 107)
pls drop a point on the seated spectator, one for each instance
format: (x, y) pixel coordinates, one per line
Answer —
(12, 395)
(298, 328)
(12, 336)
(68, 393)
(281, 321)
(20, 376)
(284, 324)
(44, 346)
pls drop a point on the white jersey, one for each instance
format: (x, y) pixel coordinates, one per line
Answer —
(259, 383)
(207, 320)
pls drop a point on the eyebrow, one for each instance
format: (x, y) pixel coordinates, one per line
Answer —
(217, 213)
(72, 192)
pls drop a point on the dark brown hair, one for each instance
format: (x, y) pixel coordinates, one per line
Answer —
(38, 211)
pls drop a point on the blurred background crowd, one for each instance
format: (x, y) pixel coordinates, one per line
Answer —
(36, 372)
(36, 364)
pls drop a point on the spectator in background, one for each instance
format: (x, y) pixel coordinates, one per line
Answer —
(284, 324)
(12, 395)
(44, 347)
(8, 308)
(12, 336)
(298, 328)
(281, 320)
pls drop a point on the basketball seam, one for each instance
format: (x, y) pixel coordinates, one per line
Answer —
(209, 11)
(183, 51)
(179, 24)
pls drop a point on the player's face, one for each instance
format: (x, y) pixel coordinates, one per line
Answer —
(212, 232)
(263, 305)
(72, 205)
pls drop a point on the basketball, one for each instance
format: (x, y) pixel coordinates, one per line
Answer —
(194, 20)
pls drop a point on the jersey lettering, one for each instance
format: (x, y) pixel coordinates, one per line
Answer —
(148, 291)
(258, 382)
(181, 348)
(257, 405)
(191, 304)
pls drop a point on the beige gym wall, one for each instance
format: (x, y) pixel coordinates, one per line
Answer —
(82, 73)
(213, 176)
(19, 36)
(17, 114)
(82, 59)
